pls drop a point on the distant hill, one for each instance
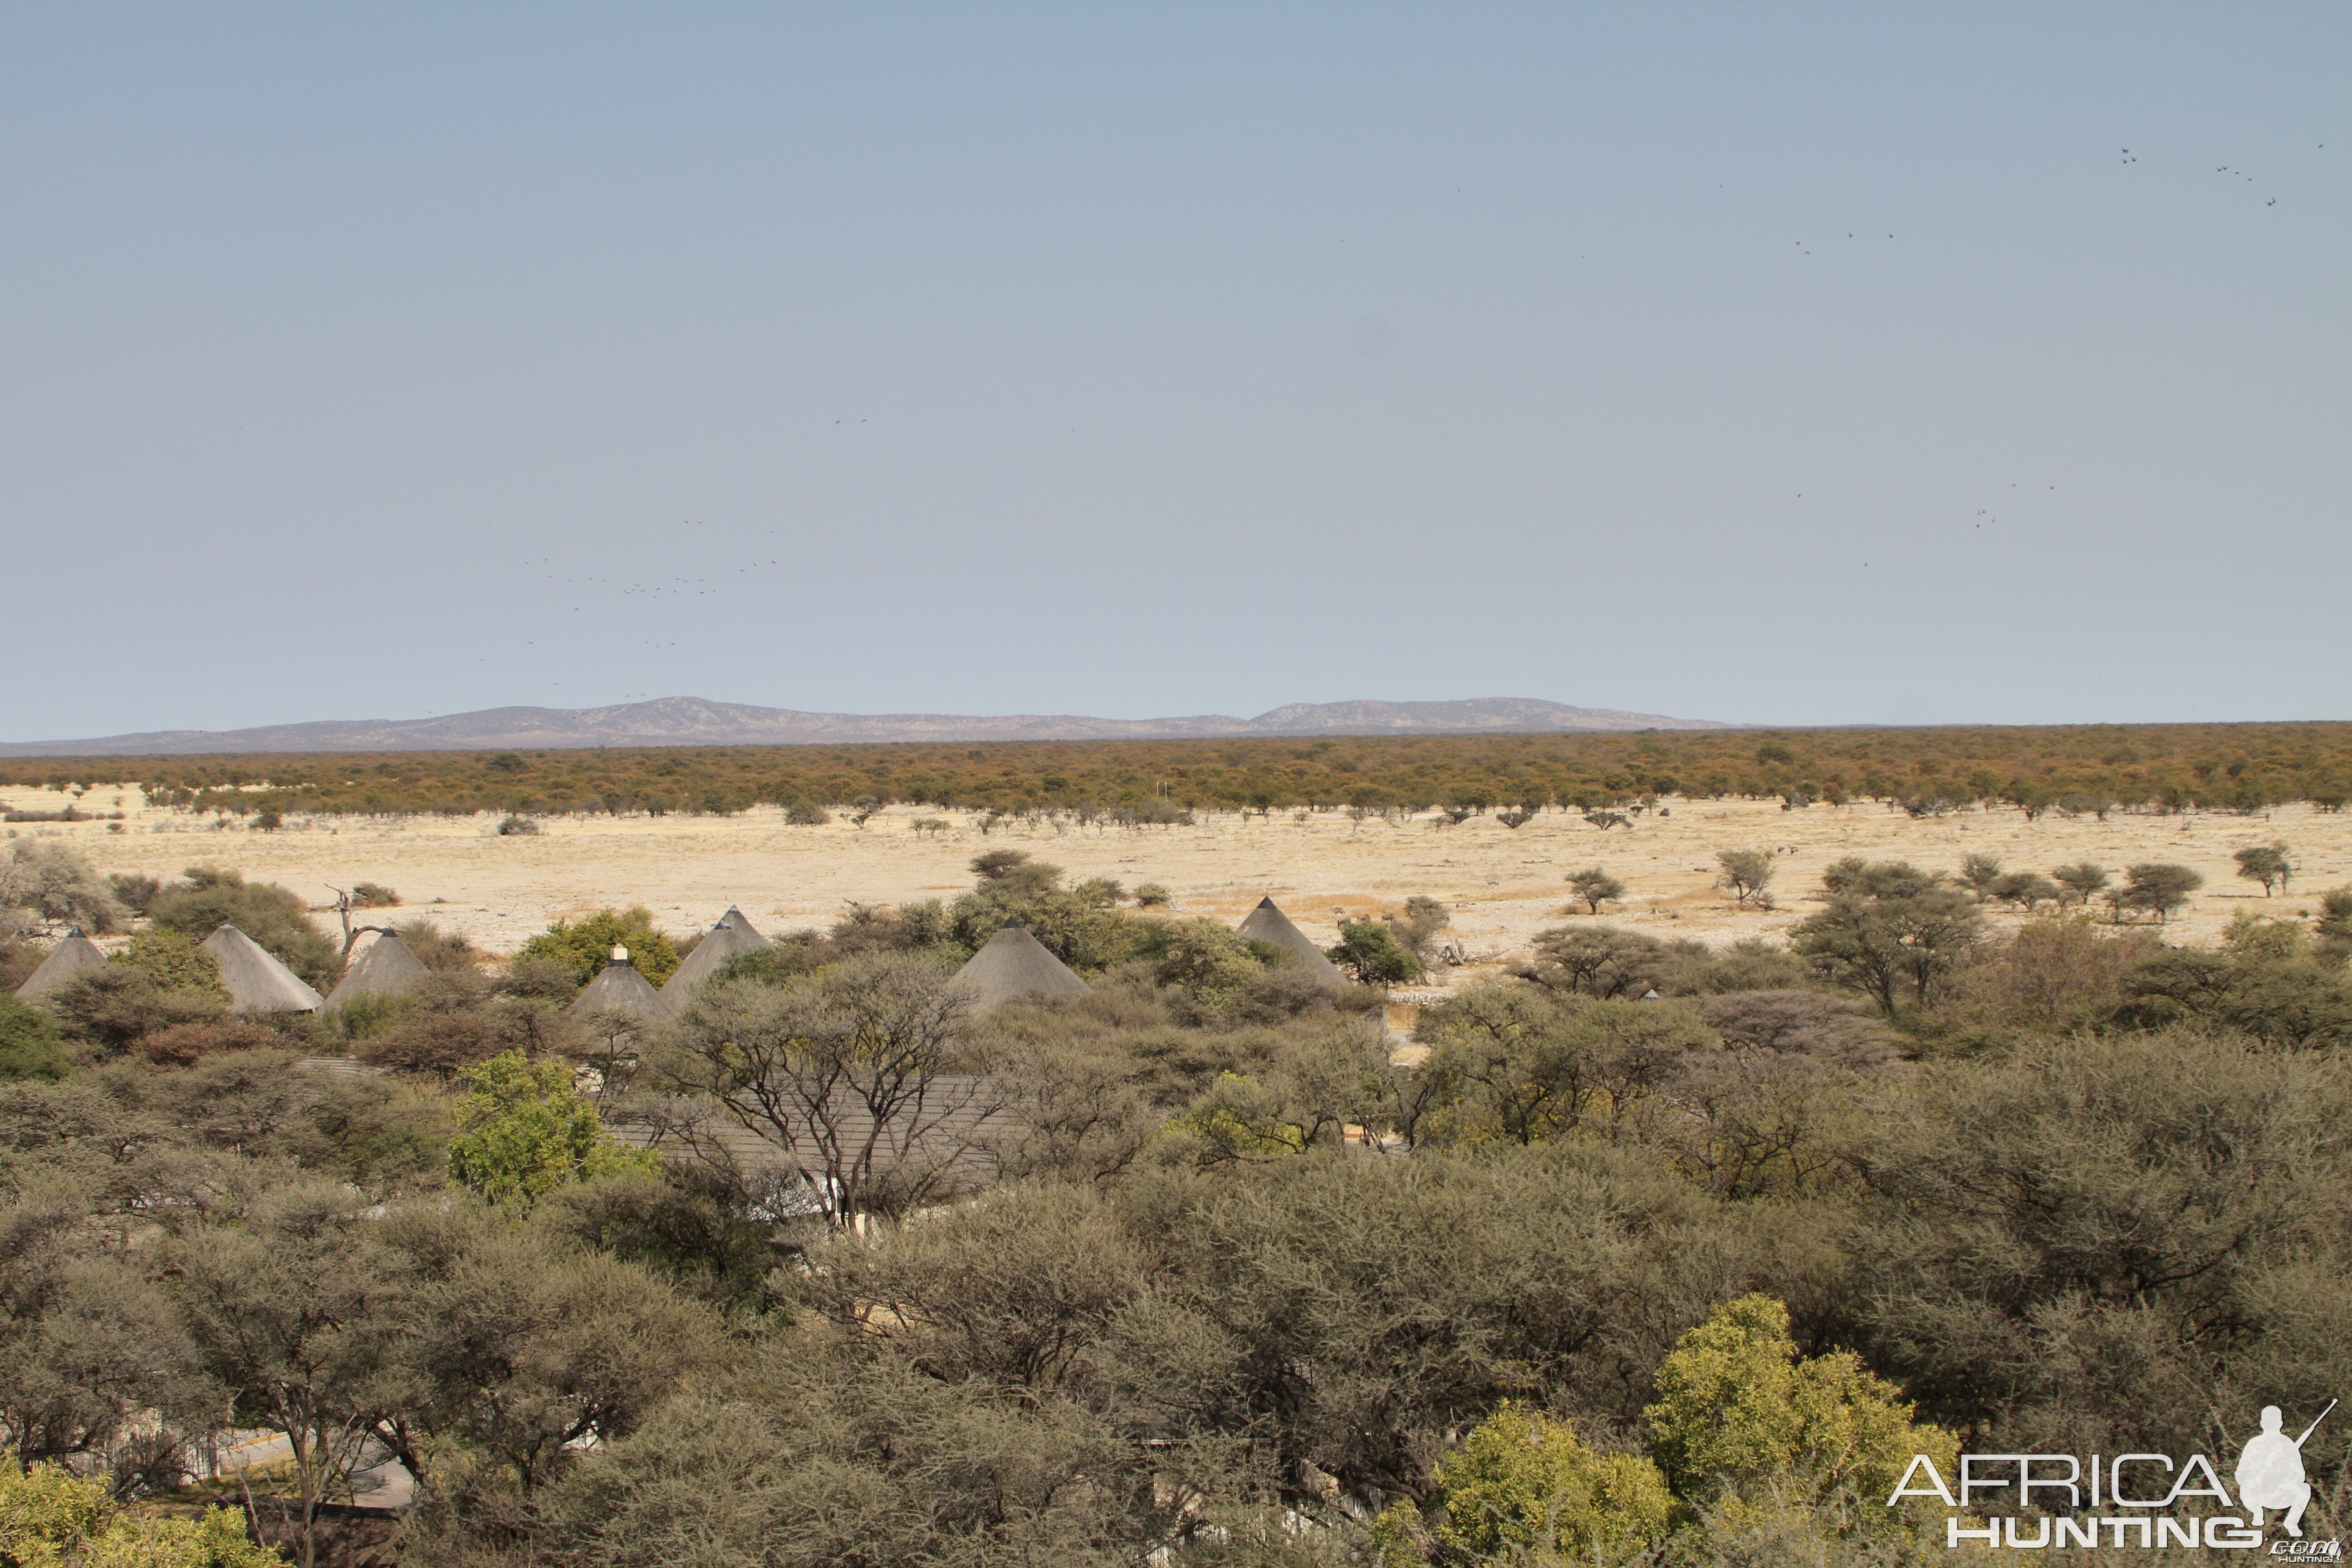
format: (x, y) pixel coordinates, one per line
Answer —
(694, 722)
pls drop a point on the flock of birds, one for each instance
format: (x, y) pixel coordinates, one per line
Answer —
(676, 587)
(2129, 156)
(650, 589)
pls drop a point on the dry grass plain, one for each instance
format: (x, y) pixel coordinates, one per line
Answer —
(1503, 885)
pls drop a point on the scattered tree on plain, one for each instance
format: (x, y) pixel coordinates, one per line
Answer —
(2082, 880)
(2266, 864)
(1595, 887)
(1745, 873)
(2160, 888)
(1891, 931)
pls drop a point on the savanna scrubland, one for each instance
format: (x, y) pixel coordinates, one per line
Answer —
(1678, 1225)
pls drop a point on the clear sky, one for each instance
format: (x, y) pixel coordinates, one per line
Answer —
(1796, 364)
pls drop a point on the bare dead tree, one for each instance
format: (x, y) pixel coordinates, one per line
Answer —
(352, 933)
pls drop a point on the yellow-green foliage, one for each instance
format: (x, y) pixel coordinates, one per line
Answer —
(1522, 1482)
(585, 946)
(51, 1518)
(173, 961)
(526, 1130)
(1739, 1411)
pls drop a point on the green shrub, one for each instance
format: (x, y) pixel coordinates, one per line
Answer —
(277, 919)
(115, 1006)
(585, 946)
(526, 1130)
(50, 1516)
(138, 893)
(369, 1014)
(1520, 1482)
(1738, 1409)
(28, 1043)
(1205, 957)
(1373, 952)
(173, 962)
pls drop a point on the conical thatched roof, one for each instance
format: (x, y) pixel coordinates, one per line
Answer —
(255, 982)
(1268, 923)
(730, 938)
(386, 968)
(1013, 964)
(70, 957)
(618, 988)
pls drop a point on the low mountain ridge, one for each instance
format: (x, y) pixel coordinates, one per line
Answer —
(698, 721)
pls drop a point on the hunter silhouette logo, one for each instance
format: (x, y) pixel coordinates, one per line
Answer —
(2139, 1500)
(2270, 1472)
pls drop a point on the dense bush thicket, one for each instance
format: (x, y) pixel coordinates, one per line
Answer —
(1662, 1254)
(2067, 768)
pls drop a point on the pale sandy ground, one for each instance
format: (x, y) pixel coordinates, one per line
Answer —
(1502, 885)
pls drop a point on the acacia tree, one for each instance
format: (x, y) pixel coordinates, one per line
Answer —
(1891, 930)
(1982, 875)
(2026, 888)
(2082, 880)
(2334, 921)
(286, 1302)
(91, 1360)
(1372, 949)
(1595, 887)
(277, 919)
(856, 1079)
(526, 1347)
(1596, 961)
(2158, 886)
(2266, 864)
(1745, 872)
(54, 884)
(1512, 1062)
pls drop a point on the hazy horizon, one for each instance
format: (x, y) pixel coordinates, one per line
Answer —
(1782, 366)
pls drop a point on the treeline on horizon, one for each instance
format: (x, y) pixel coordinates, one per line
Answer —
(2068, 768)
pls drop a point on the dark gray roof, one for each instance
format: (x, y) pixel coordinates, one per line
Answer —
(730, 938)
(1268, 923)
(1013, 964)
(75, 955)
(618, 988)
(255, 982)
(386, 968)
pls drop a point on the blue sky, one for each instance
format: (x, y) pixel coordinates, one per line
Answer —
(1792, 364)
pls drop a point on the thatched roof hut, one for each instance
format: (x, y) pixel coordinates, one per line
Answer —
(1268, 923)
(75, 955)
(255, 982)
(730, 938)
(618, 988)
(386, 968)
(1012, 964)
